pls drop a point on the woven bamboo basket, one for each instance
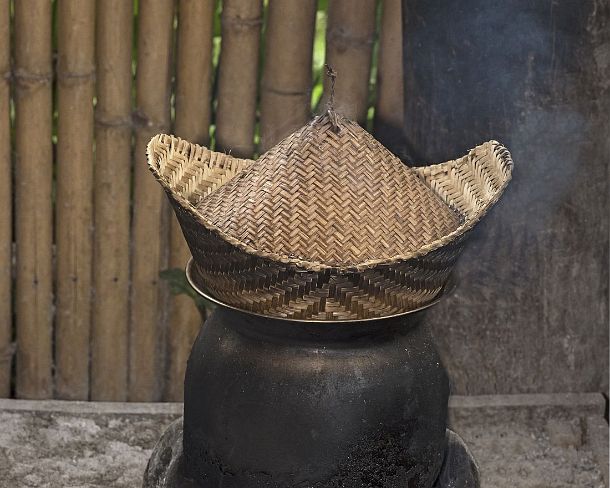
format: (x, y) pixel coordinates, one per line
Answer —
(328, 224)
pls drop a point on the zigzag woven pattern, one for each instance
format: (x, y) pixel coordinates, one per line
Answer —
(327, 225)
(336, 198)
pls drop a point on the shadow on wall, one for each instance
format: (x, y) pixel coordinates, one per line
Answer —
(531, 311)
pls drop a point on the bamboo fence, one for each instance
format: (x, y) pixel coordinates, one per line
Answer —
(389, 71)
(32, 78)
(286, 82)
(237, 76)
(193, 117)
(150, 208)
(349, 50)
(388, 121)
(74, 212)
(110, 317)
(85, 232)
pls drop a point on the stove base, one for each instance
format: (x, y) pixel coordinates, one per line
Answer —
(164, 468)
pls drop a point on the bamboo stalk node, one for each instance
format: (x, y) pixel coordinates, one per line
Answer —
(342, 38)
(113, 121)
(241, 23)
(286, 93)
(141, 119)
(25, 78)
(66, 75)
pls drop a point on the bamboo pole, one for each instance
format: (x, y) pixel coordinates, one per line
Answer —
(349, 47)
(286, 82)
(193, 114)
(150, 213)
(194, 70)
(110, 318)
(6, 237)
(74, 219)
(237, 77)
(33, 208)
(389, 106)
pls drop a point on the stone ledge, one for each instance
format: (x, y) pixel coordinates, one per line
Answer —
(585, 403)
(594, 403)
(100, 408)
(520, 441)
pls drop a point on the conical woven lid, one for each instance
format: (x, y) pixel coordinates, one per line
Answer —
(327, 225)
(331, 196)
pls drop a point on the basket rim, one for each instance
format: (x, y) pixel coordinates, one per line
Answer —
(499, 151)
(445, 290)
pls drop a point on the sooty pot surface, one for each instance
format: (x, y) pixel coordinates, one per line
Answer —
(276, 403)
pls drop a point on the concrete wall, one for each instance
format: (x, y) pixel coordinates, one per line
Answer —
(530, 313)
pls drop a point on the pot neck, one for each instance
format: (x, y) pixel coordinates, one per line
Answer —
(313, 331)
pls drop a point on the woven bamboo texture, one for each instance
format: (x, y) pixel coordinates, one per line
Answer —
(328, 224)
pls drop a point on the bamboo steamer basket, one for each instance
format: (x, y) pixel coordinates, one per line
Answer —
(328, 224)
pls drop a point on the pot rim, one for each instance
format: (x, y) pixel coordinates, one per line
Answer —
(216, 301)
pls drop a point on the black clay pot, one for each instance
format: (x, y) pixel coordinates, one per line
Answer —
(280, 403)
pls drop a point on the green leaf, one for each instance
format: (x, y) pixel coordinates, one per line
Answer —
(179, 285)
